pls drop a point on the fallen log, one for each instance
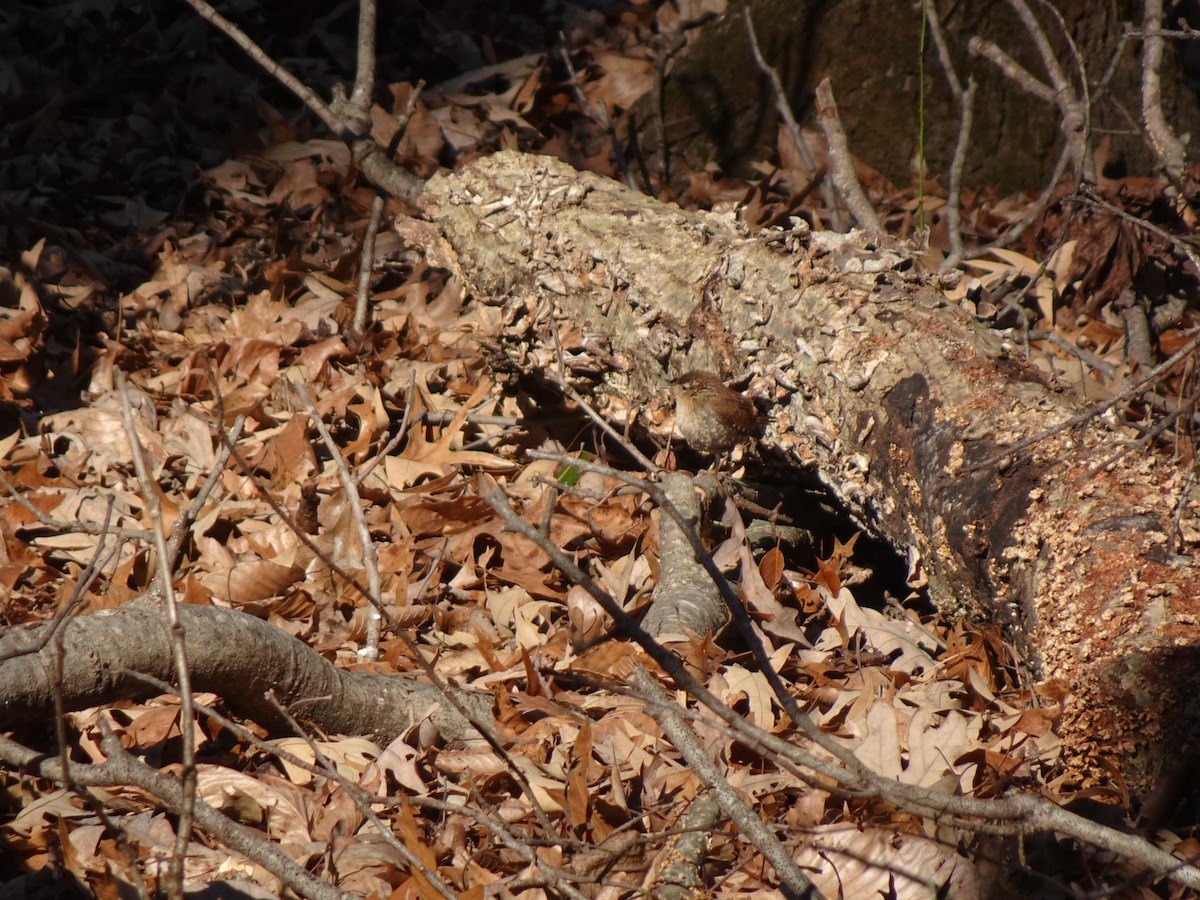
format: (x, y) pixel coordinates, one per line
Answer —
(1085, 570)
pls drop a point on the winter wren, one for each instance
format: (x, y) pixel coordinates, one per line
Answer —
(711, 417)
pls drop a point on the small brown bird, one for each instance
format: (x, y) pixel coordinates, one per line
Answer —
(712, 417)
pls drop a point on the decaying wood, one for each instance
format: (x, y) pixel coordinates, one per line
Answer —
(232, 654)
(1083, 570)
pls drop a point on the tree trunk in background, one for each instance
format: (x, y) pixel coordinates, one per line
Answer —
(719, 108)
(1082, 571)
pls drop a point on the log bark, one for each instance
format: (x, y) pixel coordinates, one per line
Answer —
(685, 598)
(1082, 570)
(231, 654)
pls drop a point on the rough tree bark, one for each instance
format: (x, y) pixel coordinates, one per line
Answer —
(685, 598)
(1082, 569)
(232, 654)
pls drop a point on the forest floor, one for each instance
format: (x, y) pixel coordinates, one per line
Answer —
(168, 227)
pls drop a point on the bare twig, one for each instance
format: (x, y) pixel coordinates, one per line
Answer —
(1177, 518)
(330, 771)
(559, 377)
(841, 161)
(371, 159)
(957, 165)
(64, 527)
(496, 499)
(86, 579)
(1148, 380)
(1184, 409)
(965, 97)
(1163, 140)
(360, 796)
(1033, 213)
(290, 523)
(367, 261)
(183, 524)
(369, 652)
(1073, 108)
(122, 769)
(187, 712)
(485, 728)
(364, 74)
(637, 454)
(366, 266)
(657, 118)
(784, 108)
(307, 96)
(1015, 72)
(394, 441)
(599, 112)
(1014, 814)
(94, 803)
(1091, 198)
(942, 47)
(1085, 357)
(1185, 32)
(687, 743)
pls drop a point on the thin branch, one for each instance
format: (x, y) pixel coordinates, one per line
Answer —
(751, 825)
(1185, 493)
(957, 166)
(666, 660)
(599, 112)
(183, 524)
(965, 97)
(369, 652)
(485, 728)
(86, 579)
(78, 527)
(360, 796)
(94, 803)
(784, 108)
(1016, 73)
(366, 266)
(1011, 451)
(122, 769)
(394, 441)
(1166, 145)
(943, 47)
(559, 376)
(842, 161)
(372, 160)
(364, 77)
(1074, 115)
(1075, 108)
(187, 712)
(1184, 33)
(1049, 60)
(1074, 111)
(1033, 213)
(1183, 411)
(1091, 198)
(307, 96)
(330, 771)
